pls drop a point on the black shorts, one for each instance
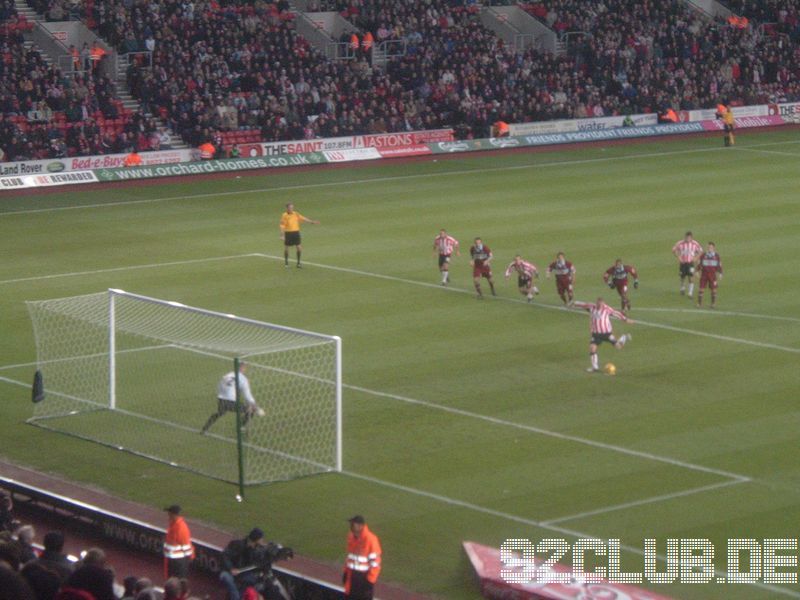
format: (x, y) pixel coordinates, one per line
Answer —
(224, 406)
(291, 238)
(523, 281)
(443, 260)
(599, 338)
(728, 128)
(686, 269)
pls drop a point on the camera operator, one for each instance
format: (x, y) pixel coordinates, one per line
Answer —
(247, 563)
(240, 555)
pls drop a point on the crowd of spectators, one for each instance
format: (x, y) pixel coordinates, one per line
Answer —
(45, 113)
(232, 64)
(228, 65)
(655, 55)
(775, 15)
(31, 572)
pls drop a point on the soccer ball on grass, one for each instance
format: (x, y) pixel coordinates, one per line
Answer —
(610, 369)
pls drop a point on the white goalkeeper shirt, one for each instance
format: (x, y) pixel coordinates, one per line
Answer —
(226, 388)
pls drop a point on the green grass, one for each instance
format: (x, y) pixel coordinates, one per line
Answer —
(494, 446)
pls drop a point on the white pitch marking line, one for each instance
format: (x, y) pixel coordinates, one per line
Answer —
(530, 522)
(778, 152)
(531, 429)
(14, 381)
(384, 179)
(554, 434)
(644, 501)
(127, 268)
(726, 313)
(549, 306)
(508, 516)
(83, 357)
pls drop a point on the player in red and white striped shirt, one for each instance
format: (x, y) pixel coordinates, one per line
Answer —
(601, 314)
(686, 251)
(444, 245)
(526, 273)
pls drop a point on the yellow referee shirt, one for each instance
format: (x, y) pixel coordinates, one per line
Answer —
(291, 221)
(728, 118)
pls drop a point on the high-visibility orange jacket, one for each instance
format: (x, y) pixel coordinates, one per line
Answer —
(178, 542)
(671, 116)
(354, 42)
(363, 556)
(132, 160)
(207, 151)
(97, 52)
(367, 41)
(501, 129)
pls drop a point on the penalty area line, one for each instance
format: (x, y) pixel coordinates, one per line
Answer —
(533, 523)
(554, 434)
(654, 325)
(173, 263)
(724, 313)
(644, 501)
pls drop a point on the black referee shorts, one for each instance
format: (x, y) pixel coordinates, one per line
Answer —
(291, 238)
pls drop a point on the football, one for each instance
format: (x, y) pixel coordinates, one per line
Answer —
(610, 369)
(260, 412)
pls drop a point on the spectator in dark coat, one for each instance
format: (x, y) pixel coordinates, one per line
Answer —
(53, 557)
(43, 582)
(93, 576)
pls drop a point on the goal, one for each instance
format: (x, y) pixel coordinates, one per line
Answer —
(140, 374)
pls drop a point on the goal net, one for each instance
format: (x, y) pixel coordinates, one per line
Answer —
(142, 375)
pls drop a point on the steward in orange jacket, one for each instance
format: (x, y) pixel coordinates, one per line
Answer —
(363, 564)
(178, 548)
(207, 151)
(367, 42)
(132, 160)
(500, 129)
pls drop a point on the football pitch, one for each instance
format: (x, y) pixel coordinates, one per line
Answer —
(467, 419)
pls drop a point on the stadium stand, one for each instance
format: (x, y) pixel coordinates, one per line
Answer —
(45, 113)
(236, 71)
(659, 55)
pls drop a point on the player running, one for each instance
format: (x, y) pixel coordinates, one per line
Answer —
(601, 314)
(444, 245)
(526, 273)
(686, 251)
(710, 271)
(616, 277)
(565, 277)
(481, 257)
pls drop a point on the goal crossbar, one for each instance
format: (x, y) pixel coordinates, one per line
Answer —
(142, 374)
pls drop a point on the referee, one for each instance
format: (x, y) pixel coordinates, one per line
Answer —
(226, 398)
(290, 232)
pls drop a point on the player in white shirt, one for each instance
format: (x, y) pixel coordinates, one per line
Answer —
(601, 330)
(526, 273)
(226, 398)
(686, 251)
(444, 245)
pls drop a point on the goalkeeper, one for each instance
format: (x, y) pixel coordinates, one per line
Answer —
(226, 398)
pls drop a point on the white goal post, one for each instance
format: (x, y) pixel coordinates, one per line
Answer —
(142, 375)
